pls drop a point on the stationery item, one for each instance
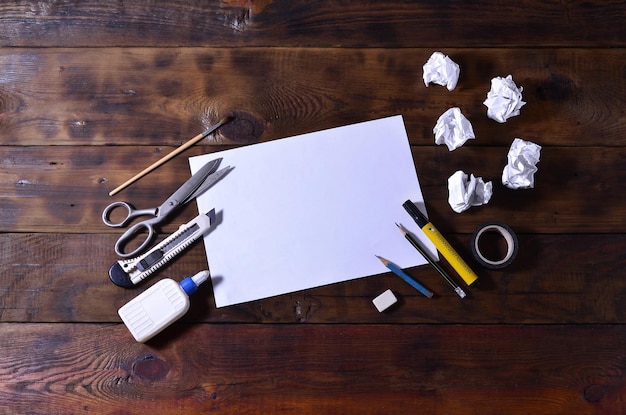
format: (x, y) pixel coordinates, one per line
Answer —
(192, 188)
(384, 301)
(435, 265)
(130, 272)
(394, 268)
(453, 129)
(169, 156)
(441, 70)
(159, 306)
(466, 191)
(309, 210)
(504, 99)
(511, 245)
(442, 245)
(522, 159)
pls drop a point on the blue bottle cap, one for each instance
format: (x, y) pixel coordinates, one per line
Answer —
(188, 285)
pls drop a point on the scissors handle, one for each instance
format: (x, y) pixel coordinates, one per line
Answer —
(131, 213)
(131, 234)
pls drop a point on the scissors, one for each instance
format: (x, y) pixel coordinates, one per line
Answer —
(204, 178)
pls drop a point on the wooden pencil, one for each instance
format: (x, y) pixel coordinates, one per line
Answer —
(427, 257)
(396, 270)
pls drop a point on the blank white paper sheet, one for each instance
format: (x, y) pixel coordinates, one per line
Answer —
(311, 210)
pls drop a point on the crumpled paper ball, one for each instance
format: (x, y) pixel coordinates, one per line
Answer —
(465, 192)
(441, 70)
(504, 100)
(519, 173)
(453, 129)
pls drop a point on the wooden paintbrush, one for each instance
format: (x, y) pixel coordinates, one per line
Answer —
(170, 155)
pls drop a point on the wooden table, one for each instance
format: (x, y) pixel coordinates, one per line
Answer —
(91, 92)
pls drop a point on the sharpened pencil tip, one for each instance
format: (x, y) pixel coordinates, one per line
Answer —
(404, 231)
(383, 260)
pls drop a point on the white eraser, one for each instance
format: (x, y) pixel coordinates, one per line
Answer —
(384, 301)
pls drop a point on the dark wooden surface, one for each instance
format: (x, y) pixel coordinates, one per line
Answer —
(92, 92)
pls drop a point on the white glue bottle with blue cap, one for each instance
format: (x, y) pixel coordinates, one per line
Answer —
(159, 306)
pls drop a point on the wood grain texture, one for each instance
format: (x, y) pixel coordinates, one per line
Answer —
(554, 279)
(92, 92)
(64, 189)
(81, 369)
(165, 96)
(379, 23)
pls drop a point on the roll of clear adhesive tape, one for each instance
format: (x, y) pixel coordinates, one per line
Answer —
(511, 245)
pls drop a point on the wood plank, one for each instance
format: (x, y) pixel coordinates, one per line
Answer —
(162, 96)
(288, 369)
(554, 279)
(230, 23)
(64, 189)
(91, 92)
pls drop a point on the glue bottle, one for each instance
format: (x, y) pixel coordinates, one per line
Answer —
(159, 306)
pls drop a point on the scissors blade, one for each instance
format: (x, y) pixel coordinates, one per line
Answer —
(210, 181)
(185, 192)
